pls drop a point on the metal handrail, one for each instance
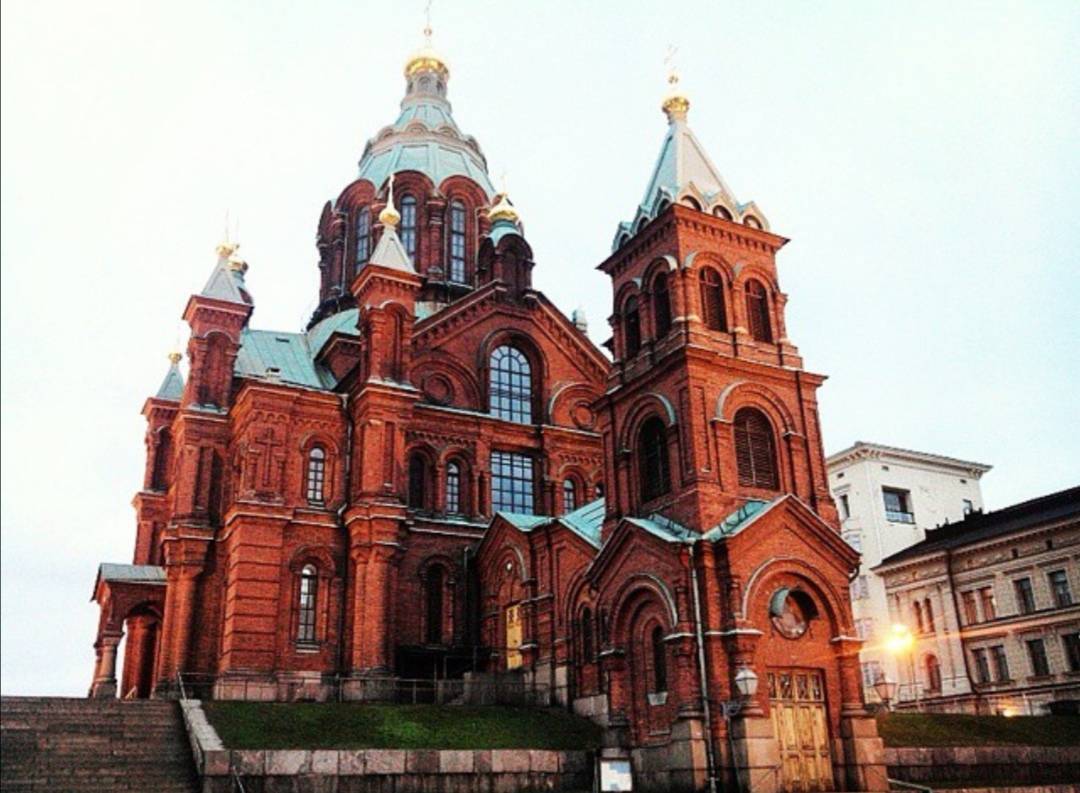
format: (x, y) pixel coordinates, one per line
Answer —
(910, 785)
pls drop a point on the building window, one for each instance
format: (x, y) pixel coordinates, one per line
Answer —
(457, 242)
(897, 505)
(1025, 596)
(1001, 663)
(511, 385)
(653, 460)
(971, 611)
(316, 475)
(845, 506)
(1071, 641)
(989, 604)
(982, 666)
(569, 495)
(1059, 585)
(419, 481)
(933, 674)
(864, 628)
(511, 483)
(598, 490)
(408, 225)
(860, 588)
(453, 488)
(918, 617)
(659, 657)
(871, 673)
(969, 506)
(435, 583)
(309, 584)
(1040, 667)
(755, 450)
(712, 299)
(661, 305)
(854, 539)
(586, 636)
(159, 477)
(632, 327)
(757, 312)
(363, 237)
(928, 615)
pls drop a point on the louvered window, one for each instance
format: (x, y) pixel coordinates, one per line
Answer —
(755, 450)
(363, 237)
(457, 242)
(757, 311)
(632, 327)
(712, 300)
(661, 305)
(653, 460)
(408, 225)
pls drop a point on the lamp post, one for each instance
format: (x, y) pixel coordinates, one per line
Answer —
(746, 683)
(900, 642)
(886, 690)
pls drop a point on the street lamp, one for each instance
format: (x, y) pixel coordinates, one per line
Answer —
(900, 642)
(746, 682)
(886, 690)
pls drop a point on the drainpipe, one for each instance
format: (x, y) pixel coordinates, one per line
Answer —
(347, 466)
(710, 759)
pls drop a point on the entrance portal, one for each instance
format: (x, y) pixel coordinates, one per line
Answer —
(797, 703)
(513, 637)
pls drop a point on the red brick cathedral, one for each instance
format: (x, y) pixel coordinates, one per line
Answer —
(443, 478)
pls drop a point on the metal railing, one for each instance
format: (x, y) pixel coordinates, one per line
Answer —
(899, 517)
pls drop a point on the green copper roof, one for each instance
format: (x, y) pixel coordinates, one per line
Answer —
(739, 519)
(290, 357)
(522, 521)
(172, 387)
(586, 521)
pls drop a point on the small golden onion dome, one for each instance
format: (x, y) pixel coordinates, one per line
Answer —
(389, 216)
(503, 210)
(426, 59)
(236, 263)
(675, 104)
(174, 358)
(226, 249)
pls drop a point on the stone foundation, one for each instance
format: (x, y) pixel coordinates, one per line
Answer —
(1015, 765)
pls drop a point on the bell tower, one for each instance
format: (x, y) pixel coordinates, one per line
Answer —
(708, 407)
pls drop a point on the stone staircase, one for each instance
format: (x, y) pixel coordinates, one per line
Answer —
(58, 744)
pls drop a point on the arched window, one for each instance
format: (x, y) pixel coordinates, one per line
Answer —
(755, 450)
(316, 475)
(435, 582)
(690, 201)
(752, 222)
(933, 673)
(928, 615)
(653, 459)
(661, 305)
(511, 385)
(419, 475)
(457, 242)
(569, 495)
(632, 327)
(586, 636)
(160, 475)
(363, 236)
(408, 225)
(453, 487)
(722, 212)
(757, 311)
(309, 584)
(659, 659)
(712, 299)
(918, 618)
(598, 490)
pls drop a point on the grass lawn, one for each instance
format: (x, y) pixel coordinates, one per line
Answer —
(941, 729)
(309, 725)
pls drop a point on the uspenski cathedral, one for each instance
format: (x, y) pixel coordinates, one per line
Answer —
(441, 478)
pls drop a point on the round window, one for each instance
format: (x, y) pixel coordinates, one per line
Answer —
(791, 611)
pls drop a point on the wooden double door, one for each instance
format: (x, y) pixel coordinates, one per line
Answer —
(797, 704)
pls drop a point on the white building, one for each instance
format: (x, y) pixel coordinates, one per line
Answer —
(888, 498)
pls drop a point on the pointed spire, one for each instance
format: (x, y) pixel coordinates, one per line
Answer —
(227, 279)
(172, 387)
(390, 252)
(426, 59)
(675, 104)
(504, 218)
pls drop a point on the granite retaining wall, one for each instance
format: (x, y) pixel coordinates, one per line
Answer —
(983, 765)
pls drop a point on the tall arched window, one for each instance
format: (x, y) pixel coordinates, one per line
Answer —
(586, 636)
(757, 311)
(632, 327)
(712, 299)
(457, 242)
(755, 450)
(659, 659)
(928, 615)
(436, 580)
(316, 475)
(408, 225)
(305, 625)
(661, 305)
(653, 459)
(918, 618)
(363, 236)
(569, 495)
(160, 475)
(511, 385)
(418, 481)
(933, 673)
(453, 487)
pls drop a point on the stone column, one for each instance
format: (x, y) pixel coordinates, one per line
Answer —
(864, 751)
(104, 685)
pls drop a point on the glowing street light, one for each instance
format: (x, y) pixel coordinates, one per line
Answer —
(899, 641)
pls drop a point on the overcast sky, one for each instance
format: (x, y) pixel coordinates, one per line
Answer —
(922, 158)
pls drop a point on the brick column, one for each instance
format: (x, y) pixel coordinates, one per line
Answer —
(104, 685)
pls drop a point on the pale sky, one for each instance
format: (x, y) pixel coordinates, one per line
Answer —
(922, 157)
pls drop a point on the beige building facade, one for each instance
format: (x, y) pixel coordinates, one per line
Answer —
(888, 498)
(993, 605)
